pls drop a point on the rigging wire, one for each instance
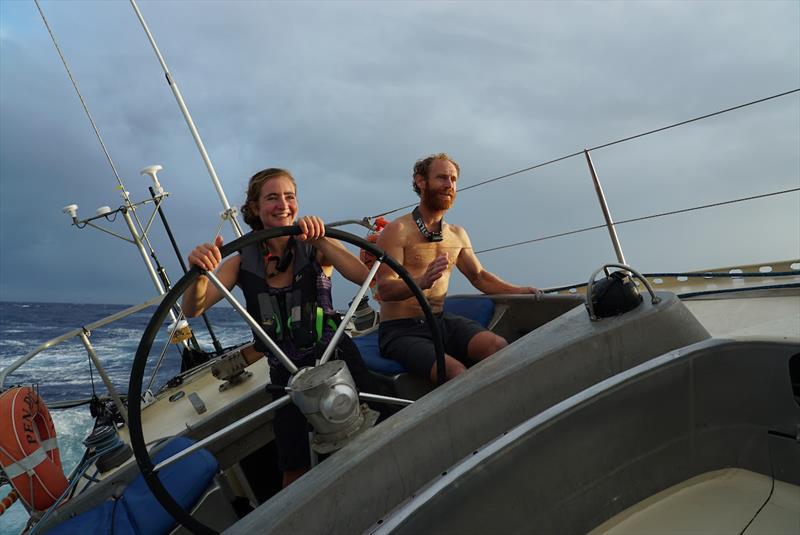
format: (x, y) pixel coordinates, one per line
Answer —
(604, 145)
(124, 192)
(481, 183)
(91, 375)
(651, 216)
(83, 102)
(706, 116)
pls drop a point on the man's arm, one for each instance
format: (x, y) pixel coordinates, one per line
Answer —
(483, 280)
(390, 286)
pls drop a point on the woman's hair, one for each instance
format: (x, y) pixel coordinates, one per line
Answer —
(253, 191)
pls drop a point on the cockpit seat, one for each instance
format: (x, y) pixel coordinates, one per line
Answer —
(392, 375)
(136, 511)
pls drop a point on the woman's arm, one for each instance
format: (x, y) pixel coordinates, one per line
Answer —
(333, 253)
(201, 296)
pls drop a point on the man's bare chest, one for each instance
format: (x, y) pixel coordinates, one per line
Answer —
(417, 256)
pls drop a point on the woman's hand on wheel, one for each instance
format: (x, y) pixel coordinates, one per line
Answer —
(207, 255)
(311, 228)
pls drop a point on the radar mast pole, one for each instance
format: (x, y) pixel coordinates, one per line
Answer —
(229, 213)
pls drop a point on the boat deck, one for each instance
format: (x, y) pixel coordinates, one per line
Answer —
(749, 317)
(720, 501)
(159, 419)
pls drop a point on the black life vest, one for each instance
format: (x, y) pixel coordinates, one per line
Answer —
(291, 316)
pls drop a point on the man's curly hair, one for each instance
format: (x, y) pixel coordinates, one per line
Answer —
(423, 166)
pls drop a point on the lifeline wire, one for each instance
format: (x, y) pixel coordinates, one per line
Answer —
(652, 216)
(604, 145)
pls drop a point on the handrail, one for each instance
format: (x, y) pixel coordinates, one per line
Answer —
(750, 277)
(602, 146)
(609, 223)
(635, 219)
(78, 333)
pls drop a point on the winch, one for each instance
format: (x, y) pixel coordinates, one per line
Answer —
(230, 368)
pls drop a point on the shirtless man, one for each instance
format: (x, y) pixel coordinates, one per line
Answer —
(428, 248)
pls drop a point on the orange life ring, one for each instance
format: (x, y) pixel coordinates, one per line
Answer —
(28, 448)
(8, 501)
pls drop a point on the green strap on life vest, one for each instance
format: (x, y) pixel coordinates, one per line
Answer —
(319, 316)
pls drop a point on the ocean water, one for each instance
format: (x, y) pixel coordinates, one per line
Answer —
(62, 372)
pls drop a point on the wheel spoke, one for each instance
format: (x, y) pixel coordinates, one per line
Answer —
(350, 311)
(277, 404)
(264, 337)
(384, 399)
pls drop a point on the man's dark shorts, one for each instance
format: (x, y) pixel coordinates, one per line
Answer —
(409, 341)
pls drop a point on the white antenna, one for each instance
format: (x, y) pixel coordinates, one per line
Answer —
(152, 172)
(72, 210)
(229, 213)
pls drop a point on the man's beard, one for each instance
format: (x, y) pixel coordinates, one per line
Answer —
(434, 201)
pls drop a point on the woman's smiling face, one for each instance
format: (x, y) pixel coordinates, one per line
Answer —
(277, 202)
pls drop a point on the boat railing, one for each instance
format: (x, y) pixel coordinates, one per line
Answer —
(609, 224)
(784, 274)
(83, 334)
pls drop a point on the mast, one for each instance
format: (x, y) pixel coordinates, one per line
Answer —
(229, 213)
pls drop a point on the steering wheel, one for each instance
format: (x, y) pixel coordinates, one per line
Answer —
(170, 300)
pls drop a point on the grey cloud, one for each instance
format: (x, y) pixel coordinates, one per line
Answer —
(348, 95)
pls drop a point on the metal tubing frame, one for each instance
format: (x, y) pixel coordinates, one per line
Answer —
(384, 399)
(123, 209)
(76, 332)
(84, 336)
(138, 242)
(217, 345)
(128, 205)
(158, 200)
(350, 311)
(149, 265)
(612, 231)
(272, 346)
(171, 334)
(364, 396)
(277, 404)
(101, 229)
(364, 222)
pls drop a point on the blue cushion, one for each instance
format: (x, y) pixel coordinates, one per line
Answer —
(368, 346)
(185, 480)
(98, 521)
(477, 309)
(137, 512)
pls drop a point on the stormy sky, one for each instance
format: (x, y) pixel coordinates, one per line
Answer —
(347, 95)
